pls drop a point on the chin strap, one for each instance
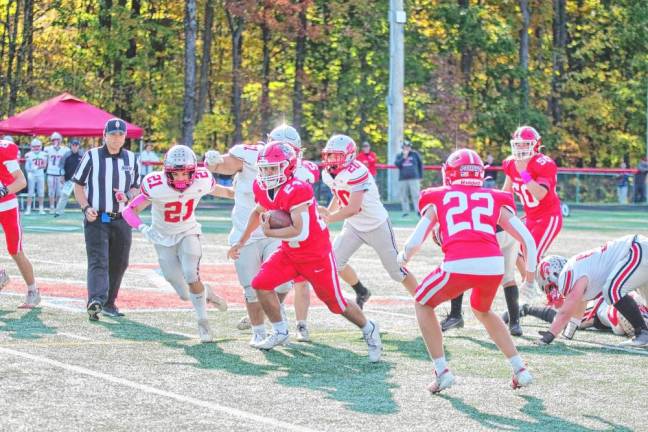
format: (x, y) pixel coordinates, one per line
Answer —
(129, 214)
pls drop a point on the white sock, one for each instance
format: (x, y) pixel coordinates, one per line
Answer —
(440, 364)
(280, 327)
(199, 302)
(282, 308)
(32, 288)
(259, 330)
(516, 363)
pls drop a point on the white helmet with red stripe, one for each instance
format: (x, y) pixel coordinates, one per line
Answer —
(180, 159)
(463, 167)
(547, 277)
(339, 153)
(36, 145)
(287, 134)
(525, 142)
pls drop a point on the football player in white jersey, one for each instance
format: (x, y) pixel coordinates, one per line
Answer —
(611, 271)
(241, 160)
(35, 164)
(55, 178)
(357, 202)
(175, 232)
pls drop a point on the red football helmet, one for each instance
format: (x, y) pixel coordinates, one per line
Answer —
(548, 275)
(525, 142)
(339, 152)
(463, 167)
(277, 163)
(180, 159)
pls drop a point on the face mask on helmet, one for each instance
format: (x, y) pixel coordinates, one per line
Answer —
(271, 175)
(334, 161)
(548, 277)
(339, 153)
(277, 162)
(525, 143)
(180, 167)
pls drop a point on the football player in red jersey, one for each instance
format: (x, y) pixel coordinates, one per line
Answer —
(468, 215)
(13, 180)
(533, 177)
(305, 249)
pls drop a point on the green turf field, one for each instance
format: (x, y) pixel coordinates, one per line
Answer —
(148, 371)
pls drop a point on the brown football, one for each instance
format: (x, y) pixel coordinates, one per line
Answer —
(279, 219)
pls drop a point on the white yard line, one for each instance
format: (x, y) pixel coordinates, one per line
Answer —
(73, 336)
(245, 415)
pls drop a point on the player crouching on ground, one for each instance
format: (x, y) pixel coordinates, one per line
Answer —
(175, 233)
(611, 271)
(468, 216)
(305, 249)
(357, 202)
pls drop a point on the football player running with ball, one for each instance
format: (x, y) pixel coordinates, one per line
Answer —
(468, 215)
(357, 202)
(305, 249)
(174, 195)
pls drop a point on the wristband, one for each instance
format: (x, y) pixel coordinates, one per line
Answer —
(526, 176)
(83, 209)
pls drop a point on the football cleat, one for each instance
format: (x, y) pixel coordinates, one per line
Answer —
(204, 332)
(244, 323)
(639, 341)
(94, 309)
(257, 338)
(521, 378)
(28, 211)
(112, 312)
(515, 329)
(272, 341)
(373, 342)
(215, 299)
(4, 279)
(441, 382)
(451, 322)
(32, 300)
(302, 333)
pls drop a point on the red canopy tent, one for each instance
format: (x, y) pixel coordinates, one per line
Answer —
(65, 114)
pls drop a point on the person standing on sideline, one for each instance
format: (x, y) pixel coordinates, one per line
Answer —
(70, 163)
(55, 154)
(35, 163)
(410, 173)
(640, 181)
(622, 185)
(104, 181)
(147, 160)
(368, 158)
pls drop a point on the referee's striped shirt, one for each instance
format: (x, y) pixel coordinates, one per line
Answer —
(101, 173)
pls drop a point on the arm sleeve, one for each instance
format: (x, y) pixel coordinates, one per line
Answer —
(529, 243)
(84, 169)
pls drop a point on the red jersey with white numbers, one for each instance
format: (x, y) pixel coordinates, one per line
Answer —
(287, 197)
(9, 155)
(544, 171)
(468, 218)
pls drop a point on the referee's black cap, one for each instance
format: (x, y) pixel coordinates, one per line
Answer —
(115, 125)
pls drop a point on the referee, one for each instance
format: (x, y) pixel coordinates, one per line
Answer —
(104, 180)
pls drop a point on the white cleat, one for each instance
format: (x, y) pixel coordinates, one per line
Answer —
(204, 332)
(28, 211)
(639, 341)
(41, 212)
(272, 341)
(244, 323)
(215, 299)
(521, 378)
(441, 382)
(257, 338)
(302, 333)
(32, 300)
(374, 343)
(4, 279)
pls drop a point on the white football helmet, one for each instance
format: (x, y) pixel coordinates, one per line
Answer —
(548, 274)
(56, 136)
(36, 144)
(180, 159)
(287, 134)
(339, 152)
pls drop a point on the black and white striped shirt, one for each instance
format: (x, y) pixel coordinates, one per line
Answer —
(101, 173)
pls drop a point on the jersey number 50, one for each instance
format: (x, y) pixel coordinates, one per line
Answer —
(476, 212)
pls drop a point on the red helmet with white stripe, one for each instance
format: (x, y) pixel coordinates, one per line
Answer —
(339, 153)
(525, 142)
(277, 162)
(463, 167)
(547, 276)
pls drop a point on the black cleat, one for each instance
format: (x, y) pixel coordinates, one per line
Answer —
(94, 309)
(515, 329)
(451, 322)
(361, 299)
(112, 312)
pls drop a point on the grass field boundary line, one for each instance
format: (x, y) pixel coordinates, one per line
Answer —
(164, 393)
(73, 336)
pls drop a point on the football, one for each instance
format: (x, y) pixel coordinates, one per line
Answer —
(279, 219)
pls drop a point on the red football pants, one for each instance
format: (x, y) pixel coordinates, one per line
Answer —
(10, 221)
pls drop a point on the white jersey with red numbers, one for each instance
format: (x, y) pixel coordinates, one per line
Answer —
(544, 171)
(468, 218)
(9, 155)
(35, 162)
(173, 212)
(55, 159)
(287, 197)
(307, 171)
(353, 178)
(243, 192)
(596, 264)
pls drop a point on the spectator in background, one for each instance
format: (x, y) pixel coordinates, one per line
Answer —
(368, 158)
(490, 175)
(640, 181)
(410, 173)
(147, 160)
(70, 162)
(55, 153)
(35, 164)
(622, 185)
